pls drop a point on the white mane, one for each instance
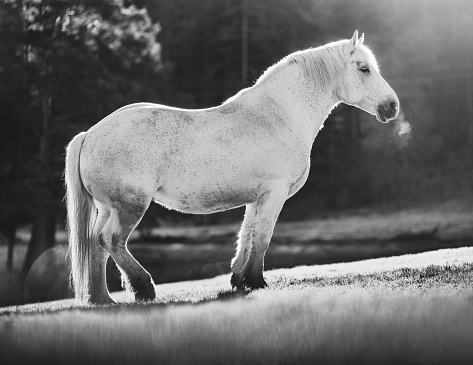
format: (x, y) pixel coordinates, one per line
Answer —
(322, 64)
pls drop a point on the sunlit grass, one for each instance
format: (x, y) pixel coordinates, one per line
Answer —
(422, 315)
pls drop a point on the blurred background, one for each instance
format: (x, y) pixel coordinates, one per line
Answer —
(373, 190)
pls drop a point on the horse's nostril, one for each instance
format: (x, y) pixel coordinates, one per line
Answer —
(392, 105)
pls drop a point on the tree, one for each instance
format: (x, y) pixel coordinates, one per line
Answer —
(65, 65)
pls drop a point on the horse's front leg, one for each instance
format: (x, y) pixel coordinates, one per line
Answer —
(243, 250)
(266, 213)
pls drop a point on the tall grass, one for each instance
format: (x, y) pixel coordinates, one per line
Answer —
(359, 319)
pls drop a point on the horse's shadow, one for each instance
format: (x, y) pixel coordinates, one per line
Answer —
(230, 295)
(222, 296)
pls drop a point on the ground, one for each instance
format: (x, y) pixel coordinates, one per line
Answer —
(321, 277)
(406, 309)
(415, 308)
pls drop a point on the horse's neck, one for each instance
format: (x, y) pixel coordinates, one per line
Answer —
(305, 103)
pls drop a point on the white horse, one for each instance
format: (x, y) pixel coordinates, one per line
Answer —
(252, 150)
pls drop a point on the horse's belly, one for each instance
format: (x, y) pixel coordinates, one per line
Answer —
(205, 200)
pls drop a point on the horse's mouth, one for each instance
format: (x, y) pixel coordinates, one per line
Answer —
(387, 111)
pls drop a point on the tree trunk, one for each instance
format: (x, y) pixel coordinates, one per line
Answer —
(7, 232)
(44, 226)
(469, 146)
(42, 236)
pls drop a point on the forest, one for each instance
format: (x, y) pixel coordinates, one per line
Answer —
(65, 65)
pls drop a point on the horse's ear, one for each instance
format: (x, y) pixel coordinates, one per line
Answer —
(354, 39)
(362, 38)
(352, 44)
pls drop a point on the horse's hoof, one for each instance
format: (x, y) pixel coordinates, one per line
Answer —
(237, 281)
(102, 300)
(146, 292)
(255, 283)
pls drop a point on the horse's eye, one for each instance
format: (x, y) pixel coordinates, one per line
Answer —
(365, 70)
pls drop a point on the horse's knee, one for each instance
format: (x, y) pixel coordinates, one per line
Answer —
(261, 245)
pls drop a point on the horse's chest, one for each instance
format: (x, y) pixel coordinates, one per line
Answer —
(299, 183)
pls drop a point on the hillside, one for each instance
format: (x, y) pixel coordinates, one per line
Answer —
(321, 277)
(397, 310)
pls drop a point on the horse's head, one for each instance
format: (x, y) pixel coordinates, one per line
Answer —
(361, 84)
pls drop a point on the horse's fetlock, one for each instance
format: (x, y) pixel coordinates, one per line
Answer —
(237, 266)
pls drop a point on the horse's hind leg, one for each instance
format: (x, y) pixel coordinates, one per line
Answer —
(267, 211)
(123, 220)
(98, 282)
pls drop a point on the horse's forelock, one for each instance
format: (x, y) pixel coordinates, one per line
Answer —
(370, 56)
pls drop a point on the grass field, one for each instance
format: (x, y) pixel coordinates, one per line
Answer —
(410, 309)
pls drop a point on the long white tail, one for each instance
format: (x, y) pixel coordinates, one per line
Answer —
(81, 216)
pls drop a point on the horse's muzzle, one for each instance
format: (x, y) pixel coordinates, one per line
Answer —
(387, 110)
